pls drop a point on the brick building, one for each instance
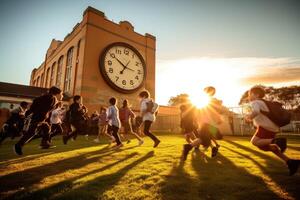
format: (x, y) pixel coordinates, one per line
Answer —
(99, 59)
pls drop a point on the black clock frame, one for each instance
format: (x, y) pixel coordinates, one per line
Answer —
(104, 74)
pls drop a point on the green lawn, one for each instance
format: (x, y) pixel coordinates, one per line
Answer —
(85, 170)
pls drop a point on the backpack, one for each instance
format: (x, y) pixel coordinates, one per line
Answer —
(277, 114)
(152, 107)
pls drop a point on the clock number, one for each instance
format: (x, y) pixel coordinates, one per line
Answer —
(112, 55)
(124, 82)
(131, 82)
(137, 77)
(126, 52)
(117, 78)
(118, 51)
(139, 71)
(133, 55)
(137, 64)
(109, 62)
(111, 70)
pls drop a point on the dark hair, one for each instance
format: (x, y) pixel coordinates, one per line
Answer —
(23, 104)
(258, 90)
(210, 90)
(76, 98)
(125, 103)
(183, 107)
(113, 101)
(144, 94)
(54, 90)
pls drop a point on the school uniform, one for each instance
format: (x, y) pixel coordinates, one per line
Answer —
(35, 117)
(13, 126)
(56, 122)
(265, 128)
(77, 121)
(148, 119)
(114, 122)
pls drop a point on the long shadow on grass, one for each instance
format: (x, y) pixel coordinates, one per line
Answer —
(220, 178)
(24, 180)
(31, 149)
(64, 185)
(294, 148)
(178, 184)
(281, 178)
(95, 188)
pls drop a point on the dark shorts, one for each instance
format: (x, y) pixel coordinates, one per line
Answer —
(264, 134)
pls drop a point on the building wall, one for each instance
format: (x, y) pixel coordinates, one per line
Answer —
(59, 50)
(95, 33)
(101, 33)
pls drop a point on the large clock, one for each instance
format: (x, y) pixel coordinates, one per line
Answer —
(122, 67)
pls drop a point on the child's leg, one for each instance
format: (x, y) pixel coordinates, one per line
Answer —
(189, 137)
(115, 133)
(259, 142)
(265, 145)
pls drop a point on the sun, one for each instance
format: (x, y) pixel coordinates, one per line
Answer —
(200, 100)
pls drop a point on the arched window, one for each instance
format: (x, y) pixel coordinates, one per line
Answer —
(38, 81)
(59, 72)
(42, 80)
(52, 74)
(68, 75)
(47, 77)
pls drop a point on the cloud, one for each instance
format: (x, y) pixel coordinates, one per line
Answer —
(270, 74)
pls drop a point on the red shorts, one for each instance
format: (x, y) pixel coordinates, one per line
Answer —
(264, 134)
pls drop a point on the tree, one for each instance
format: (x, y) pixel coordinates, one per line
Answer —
(179, 99)
(288, 96)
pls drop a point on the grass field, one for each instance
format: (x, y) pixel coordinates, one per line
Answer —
(85, 170)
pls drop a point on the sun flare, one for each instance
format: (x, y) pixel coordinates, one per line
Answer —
(200, 100)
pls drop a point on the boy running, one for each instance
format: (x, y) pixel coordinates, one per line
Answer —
(56, 121)
(264, 137)
(14, 125)
(148, 113)
(114, 121)
(35, 118)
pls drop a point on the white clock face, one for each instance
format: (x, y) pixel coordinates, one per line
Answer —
(123, 67)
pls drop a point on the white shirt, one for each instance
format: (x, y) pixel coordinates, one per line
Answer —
(260, 120)
(113, 116)
(147, 116)
(56, 116)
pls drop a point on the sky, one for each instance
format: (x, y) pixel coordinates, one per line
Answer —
(230, 44)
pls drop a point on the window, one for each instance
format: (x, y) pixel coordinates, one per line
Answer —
(42, 80)
(59, 72)
(38, 81)
(47, 77)
(68, 75)
(52, 75)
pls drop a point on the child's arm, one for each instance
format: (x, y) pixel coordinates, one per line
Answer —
(255, 111)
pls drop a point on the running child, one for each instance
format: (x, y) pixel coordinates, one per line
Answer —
(114, 123)
(56, 121)
(14, 125)
(148, 112)
(126, 116)
(34, 123)
(266, 130)
(102, 125)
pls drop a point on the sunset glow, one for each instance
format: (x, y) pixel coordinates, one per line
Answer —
(230, 76)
